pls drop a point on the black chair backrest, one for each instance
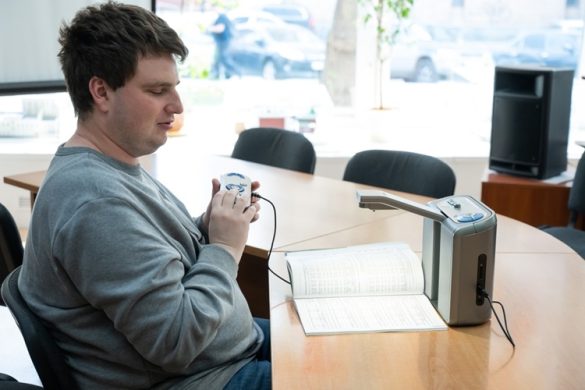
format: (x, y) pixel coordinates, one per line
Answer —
(276, 147)
(46, 356)
(11, 250)
(577, 194)
(9, 383)
(402, 171)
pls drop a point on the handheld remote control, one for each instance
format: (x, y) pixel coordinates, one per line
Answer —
(237, 181)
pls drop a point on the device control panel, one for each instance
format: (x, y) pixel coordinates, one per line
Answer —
(462, 209)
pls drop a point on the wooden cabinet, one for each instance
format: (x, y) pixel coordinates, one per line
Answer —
(528, 200)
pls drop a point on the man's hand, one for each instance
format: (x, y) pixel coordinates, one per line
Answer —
(229, 221)
(215, 187)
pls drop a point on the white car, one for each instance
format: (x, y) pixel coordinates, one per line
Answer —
(417, 57)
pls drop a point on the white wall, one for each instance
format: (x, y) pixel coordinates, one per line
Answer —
(34, 23)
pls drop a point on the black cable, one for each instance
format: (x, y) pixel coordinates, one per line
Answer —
(256, 195)
(504, 327)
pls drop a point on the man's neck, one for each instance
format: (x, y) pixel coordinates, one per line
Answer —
(90, 135)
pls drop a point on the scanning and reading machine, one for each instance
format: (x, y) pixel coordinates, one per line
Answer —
(459, 242)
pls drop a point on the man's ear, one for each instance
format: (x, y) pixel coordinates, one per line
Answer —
(99, 91)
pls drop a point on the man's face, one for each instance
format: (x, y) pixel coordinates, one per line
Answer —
(142, 111)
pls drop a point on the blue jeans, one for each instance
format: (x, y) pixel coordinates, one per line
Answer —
(223, 59)
(258, 373)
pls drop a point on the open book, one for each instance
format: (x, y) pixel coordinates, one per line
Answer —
(365, 288)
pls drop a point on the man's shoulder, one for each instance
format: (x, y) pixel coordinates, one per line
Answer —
(78, 169)
(70, 176)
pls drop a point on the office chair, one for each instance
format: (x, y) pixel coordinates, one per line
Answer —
(11, 250)
(9, 383)
(569, 234)
(401, 171)
(46, 356)
(276, 147)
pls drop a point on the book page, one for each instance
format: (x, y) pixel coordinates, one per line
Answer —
(368, 314)
(374, 269)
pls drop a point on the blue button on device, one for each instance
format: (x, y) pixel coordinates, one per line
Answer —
(469, 217)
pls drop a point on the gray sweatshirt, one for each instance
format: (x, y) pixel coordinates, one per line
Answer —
(121, 273)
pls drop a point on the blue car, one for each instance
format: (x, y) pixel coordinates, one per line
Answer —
(278, 50)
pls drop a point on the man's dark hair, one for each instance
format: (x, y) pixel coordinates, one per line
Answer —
(106, 41)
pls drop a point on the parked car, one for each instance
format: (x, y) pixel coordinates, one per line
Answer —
(551, 48)
(473, 38)
(291, 13)
(418, 57)
(274, 50)
(243, 17)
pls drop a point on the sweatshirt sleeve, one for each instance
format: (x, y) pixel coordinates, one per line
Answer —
(168, 295)
(199, 223)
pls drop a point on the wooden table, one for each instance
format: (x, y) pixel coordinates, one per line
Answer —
(30, 181)
(540, 281)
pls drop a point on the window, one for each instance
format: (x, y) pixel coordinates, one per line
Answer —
(439, 45)
(441, 69)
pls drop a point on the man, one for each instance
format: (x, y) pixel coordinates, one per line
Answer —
(222, 31)
(136, 292)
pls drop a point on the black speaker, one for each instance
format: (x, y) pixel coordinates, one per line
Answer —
(530, 121)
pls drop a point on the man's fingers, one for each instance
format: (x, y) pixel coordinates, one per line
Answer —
(252, 212)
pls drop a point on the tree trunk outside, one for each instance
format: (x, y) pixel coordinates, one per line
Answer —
(340, 61)
(382, 79)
